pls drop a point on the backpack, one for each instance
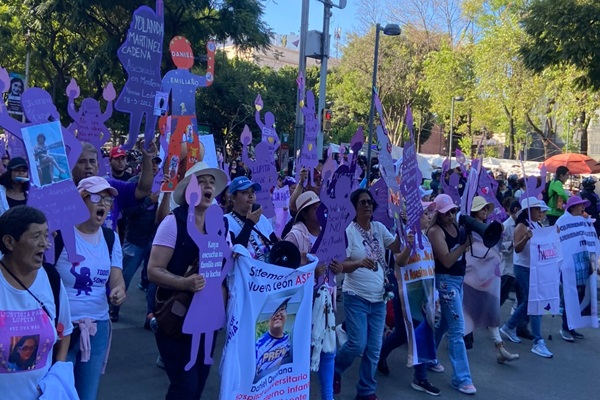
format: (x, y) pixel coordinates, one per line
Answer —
(545, 195)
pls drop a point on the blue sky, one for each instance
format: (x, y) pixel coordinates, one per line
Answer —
(283, 16)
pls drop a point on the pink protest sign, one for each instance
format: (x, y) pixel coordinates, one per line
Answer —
(88, 122)
(59, 200)
(263, 171)
(267, 128)
(309, 157)
(207, 310)
(141, 56)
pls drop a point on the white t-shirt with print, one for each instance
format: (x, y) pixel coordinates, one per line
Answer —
(21, 315)
(264, 226)
(86, 282)
(364, 282)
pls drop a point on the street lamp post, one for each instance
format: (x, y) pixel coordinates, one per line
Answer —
(455, 98)
(389, 30)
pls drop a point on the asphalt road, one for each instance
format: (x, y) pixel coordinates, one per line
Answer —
(573, 373)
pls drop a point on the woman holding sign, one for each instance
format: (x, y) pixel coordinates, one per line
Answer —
(173, 253)
(364, 291)
(528, 218)
(449, 253)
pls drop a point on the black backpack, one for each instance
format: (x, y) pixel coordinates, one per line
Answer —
(545, 193)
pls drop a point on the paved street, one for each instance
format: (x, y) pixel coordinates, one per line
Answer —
(573, 373)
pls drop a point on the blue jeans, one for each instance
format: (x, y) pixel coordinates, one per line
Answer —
(364, 325)
(133, 256)
(326, 366)
(87, 374)
(452, 321)
(522, 276)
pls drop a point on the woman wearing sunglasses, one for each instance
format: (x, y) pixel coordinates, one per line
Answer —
(364, 293)
(450, 267)
(86, 285)
(482, 285)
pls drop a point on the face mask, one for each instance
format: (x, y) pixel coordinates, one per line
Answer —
(21, 179)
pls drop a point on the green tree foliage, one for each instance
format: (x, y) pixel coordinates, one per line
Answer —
(565, 32)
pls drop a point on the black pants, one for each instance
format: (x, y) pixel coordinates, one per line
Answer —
(175, 353)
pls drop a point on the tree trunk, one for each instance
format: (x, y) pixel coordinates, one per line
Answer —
(511, 132)
(582, 132)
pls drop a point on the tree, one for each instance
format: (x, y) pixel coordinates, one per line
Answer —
(565, 32)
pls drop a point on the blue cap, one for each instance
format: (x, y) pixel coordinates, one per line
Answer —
(243, 183)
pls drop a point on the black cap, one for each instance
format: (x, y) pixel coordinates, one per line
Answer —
(157, 159)
(17, 162)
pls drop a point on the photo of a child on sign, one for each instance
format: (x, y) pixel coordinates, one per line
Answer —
(46, 148)
(274, 333)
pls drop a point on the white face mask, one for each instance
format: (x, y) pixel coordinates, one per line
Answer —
(21, 179)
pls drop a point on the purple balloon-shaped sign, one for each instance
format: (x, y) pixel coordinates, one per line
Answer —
(141, 56)
(206, 313)
(267, 128)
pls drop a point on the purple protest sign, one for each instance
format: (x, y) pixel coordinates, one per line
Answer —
(487, 190)
(411, 181)
(331, 243)
(309, 157)
(267, 128)
(88, 122)
(531, 184)
(263, 171)
(158, 180)
(60, 201)
(206, 313)
(141, 56)
(451, 187)
(380, 193)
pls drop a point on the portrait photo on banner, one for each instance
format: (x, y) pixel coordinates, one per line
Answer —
(47, 152)
(23, 353)
(275, 332)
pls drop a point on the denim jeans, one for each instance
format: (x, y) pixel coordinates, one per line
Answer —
(452, 321)
(175, 353)
(87, 374)
(522, 276)
(133, 256)
(326, 366)
(364, 325)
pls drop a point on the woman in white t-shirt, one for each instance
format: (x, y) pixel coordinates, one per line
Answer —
(247, 225)
(86, 285)
(30, 326)
(364, 293)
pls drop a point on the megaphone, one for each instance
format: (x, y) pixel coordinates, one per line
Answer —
(490, 233)
(284, 254)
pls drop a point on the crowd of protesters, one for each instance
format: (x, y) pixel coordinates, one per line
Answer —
(130, 227)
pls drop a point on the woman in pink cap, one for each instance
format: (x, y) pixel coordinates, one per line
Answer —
(450, 265)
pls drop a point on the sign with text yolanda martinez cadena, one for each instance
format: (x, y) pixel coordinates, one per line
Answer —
(579, 245)
(141, 56)
(544, 278)
(267, 348)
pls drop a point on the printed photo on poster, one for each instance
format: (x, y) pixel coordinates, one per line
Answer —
(47, 152)
(161, 103)
(13, 97)
(275, 331)
(23, 352)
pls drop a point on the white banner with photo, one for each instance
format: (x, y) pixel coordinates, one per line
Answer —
(269, 319)
(545, 259)
(580, 248)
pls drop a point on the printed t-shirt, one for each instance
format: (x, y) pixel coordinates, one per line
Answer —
(86, 282)
(264, 226)
(20, 316)
(364, 282)
(270, 351)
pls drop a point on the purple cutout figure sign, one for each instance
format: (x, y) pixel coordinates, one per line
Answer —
(61, 202)
(206, 313)
(141, 56)
(88, 122)
(267, 128)
(309, 157)
(263, 171)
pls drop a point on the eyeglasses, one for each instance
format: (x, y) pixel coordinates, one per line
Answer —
(451, 212)
(27, 348)
(106, 200)
(365, 202)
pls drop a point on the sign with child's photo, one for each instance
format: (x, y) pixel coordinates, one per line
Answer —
(47, 152)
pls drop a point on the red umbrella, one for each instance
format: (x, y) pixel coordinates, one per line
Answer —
(576, 163)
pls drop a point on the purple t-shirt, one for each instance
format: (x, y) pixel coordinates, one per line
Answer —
(125, 199)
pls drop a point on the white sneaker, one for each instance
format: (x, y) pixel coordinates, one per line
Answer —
(341, 334)
(541, 350)
(510, 334)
